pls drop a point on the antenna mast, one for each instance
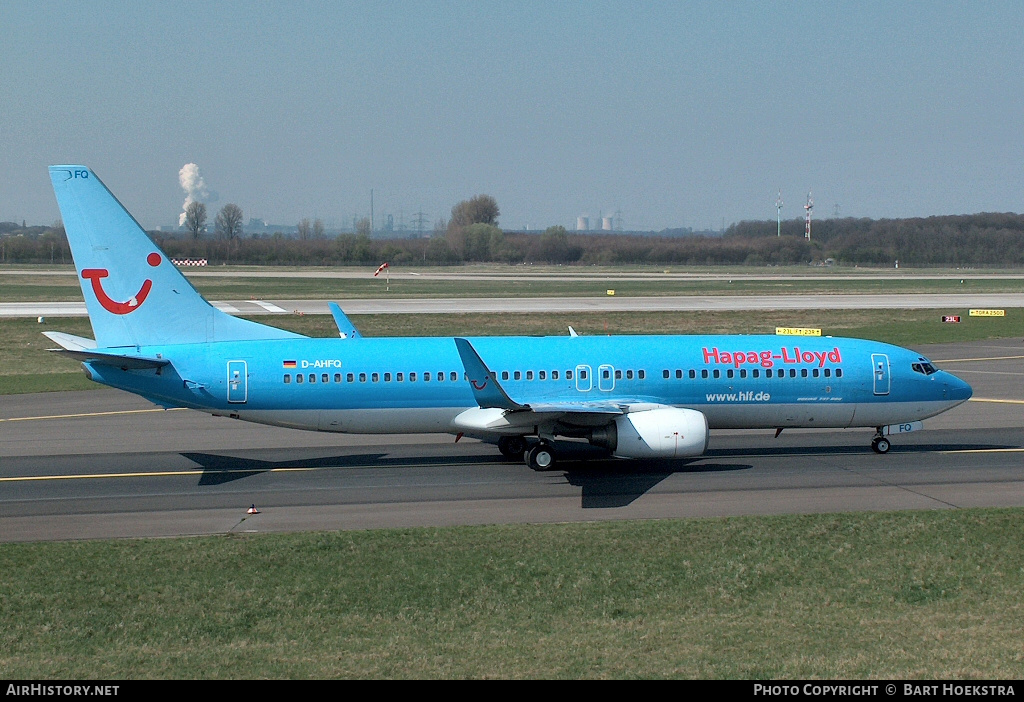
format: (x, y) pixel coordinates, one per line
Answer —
(778, 206)
(809, 207)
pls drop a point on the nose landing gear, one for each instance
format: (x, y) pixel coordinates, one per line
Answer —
(880, 444)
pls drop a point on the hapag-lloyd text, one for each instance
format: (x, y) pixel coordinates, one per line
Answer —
(767, 359)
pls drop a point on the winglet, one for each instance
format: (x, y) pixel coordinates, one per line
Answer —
(346, 329)
(486, 390)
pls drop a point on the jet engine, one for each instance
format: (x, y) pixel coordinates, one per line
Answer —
(664, 432)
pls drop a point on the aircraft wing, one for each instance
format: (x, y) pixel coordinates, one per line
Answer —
(486, 390)
(490, 395)
(346, 329)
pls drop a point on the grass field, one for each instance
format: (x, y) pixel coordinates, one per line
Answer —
(912, 595)
(575, 281)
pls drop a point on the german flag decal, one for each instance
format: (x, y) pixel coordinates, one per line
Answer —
(289, 364)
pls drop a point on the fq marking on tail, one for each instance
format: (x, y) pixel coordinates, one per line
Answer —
(635, 396)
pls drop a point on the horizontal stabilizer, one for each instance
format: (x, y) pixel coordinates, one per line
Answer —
(113, 359)
(70, 341)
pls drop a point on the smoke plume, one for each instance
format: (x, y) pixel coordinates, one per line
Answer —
(194, 186)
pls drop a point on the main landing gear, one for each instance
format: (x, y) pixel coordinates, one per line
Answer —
(538, 456)
(512, 447)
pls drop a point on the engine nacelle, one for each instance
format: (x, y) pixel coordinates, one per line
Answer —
(665, 432)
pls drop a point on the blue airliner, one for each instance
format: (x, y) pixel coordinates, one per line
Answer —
(635, 396)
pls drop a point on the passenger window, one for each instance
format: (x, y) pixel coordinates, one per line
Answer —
(641, 374)
(312, 377)
(324, 378)
(839, 372)
(803, 372)
(693, 374)
(743, 372)
(287, 378)
(568, 375)
(664, 374)
(815, 372)
(704, 373)
(679, 374)
(426, 377)
(618, 375)
(362, 377)
(518, 375)
(529, 375)
(351, 378)
(504, 375)
(399, 377)
(756, 373)
(541, 375)
(583, 375)
(412, 377)
(729, 373)
(299, 377)
(554, 375)
(387, 377)
(792, 372)
(453, 377)
(375, 377)
(337, 377)
(828, 372)
(717, 373)
(440, 376)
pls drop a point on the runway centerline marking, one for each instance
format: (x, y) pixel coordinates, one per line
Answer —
(992, 450)
(156, 474)
(992, 399)
(92, 414)
(964, 360)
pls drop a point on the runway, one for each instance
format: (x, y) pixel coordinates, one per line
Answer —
(104, 464)
(608, 303)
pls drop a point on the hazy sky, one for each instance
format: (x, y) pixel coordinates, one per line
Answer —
(673, 113)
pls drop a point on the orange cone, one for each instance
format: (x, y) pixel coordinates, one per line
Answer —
(253, 510)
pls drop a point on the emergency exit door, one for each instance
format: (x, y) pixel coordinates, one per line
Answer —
(881, 373)
(238, 382)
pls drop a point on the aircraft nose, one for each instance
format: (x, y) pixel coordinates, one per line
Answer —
(957, 389)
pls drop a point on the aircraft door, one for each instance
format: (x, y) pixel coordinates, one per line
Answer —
(606, 377)
(583, 380)
(880, 364)
(238, 382)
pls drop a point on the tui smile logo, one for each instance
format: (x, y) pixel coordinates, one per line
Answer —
(96, 274)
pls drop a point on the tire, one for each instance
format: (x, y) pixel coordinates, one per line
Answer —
(880, 445)
(541, 457)
(512, 446)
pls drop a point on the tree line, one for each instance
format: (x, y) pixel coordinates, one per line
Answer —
(472, 234)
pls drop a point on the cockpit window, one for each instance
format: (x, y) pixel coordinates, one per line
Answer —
(924, 367)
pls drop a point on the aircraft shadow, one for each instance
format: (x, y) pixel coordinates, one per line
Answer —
(608, 482)
(846, 450)
(617, 483)
(218, 469)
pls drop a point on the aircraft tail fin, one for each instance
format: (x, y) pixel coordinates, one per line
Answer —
(134, 294)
